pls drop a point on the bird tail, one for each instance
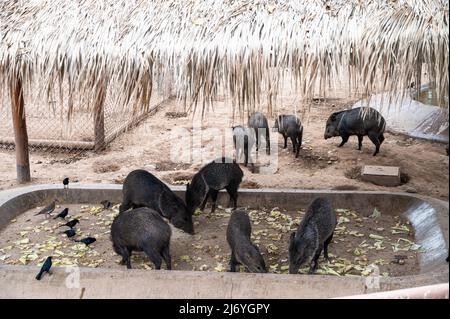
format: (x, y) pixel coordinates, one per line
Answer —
(39, 275)
(62, 225)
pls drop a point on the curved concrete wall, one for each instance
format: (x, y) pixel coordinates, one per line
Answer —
(428, 216)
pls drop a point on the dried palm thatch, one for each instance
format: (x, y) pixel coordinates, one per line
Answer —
(245, 48)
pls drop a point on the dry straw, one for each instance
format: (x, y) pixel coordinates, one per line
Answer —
(245, 48)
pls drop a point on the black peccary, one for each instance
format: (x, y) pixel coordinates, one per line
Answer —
(243, 141)
(290, 126)
(142, 229)
(352, 122)
(219, 174)
(243, 251)
(314, 233)
(143, 189)
(258, 122)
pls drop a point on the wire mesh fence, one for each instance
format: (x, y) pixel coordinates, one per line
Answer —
(51, 129)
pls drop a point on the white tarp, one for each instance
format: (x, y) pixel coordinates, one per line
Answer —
(410, 117)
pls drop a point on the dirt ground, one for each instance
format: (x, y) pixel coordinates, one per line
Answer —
(156, 143)
(360, 244)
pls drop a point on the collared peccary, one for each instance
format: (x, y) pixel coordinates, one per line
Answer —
(143, 189)
(243, 141)
(314, 233)
(352, 122)
(258, 122)
(290, 126)
(142, 229)
(243, 251)
(219, 174)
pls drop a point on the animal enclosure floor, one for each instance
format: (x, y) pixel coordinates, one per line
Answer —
(320, 165)
(361, 245)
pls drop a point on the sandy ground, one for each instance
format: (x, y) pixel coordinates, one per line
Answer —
(359, 243)
(156, 145)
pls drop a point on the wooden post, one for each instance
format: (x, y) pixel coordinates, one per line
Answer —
(99, 120)
(20, 131)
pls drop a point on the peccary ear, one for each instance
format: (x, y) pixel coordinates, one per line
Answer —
(333, 117)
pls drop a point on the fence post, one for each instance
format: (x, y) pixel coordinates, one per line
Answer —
(99, 120)
(20, 131)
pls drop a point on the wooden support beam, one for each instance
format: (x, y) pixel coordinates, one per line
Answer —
(20, 131)
(99, 120)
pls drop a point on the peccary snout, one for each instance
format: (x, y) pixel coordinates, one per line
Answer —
(314, 233)
(142, 229)
(352, 122)
(243, 251)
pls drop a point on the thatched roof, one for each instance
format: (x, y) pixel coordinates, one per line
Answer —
(243, 47)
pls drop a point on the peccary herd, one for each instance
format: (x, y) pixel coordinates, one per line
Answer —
(147, 202)
(343, 123)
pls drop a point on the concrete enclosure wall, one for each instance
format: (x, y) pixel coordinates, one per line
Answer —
(428, 216)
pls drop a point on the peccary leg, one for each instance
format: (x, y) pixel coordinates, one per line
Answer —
(167, 258)
(233, 262)
(267, 142)
(214, 193)
(381, 138)
(294, 144)
(202, 206)
(246, 150)
(235, 149)
(315, 261)
(232, 191)
(360, 139)
(325, 246)
(125, 253)
(344, 140)
(153, 255)
(374, 138)
(257, 140)
(285, 141)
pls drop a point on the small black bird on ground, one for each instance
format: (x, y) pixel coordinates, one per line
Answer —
(87, 241)
(66, 182)
(63, 213)
(71, 223)
(48, 209)
(45, 268)
(69, 233)
(106, 204)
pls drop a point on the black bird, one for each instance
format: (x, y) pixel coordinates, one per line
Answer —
(106, 204)
(66, 182)
(45, 267)
(48, 209)
(87, 241)
(63, 214)
(71, 223)
(70, 232)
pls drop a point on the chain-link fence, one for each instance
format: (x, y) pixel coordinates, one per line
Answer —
(51, 130)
